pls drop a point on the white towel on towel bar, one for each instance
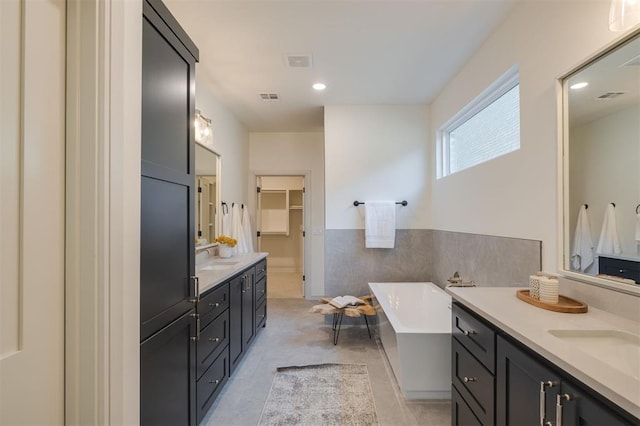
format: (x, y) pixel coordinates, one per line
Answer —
(582, 250)
(380, 224)
(236, 229)
(638, 227)
(608, 242)
(246, 230)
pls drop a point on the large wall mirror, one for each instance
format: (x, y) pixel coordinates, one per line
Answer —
(208, 176)
(601, 164)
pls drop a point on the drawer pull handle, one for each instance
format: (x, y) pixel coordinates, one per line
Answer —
(559, 399)
(468, 332)
(261, 270)
(622, 271)
(211, 339)
(214, 382)
(469, 379)
(543, 396)
(214, 305)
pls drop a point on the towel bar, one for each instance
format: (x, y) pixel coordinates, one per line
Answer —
(403, 202)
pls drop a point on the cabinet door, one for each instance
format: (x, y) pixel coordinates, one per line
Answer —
(583, 409)
(168, 375)
(235, 322)
(519, 377)
(168, 179)
(248, 308)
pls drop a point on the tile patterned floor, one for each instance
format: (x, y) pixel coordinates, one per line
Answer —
(293, 336)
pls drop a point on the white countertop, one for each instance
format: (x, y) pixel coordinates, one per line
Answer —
(228, 268)
(606, 374)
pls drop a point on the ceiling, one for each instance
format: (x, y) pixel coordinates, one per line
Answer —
(367, 52)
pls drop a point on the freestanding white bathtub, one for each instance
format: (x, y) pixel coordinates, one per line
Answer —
(415, 330)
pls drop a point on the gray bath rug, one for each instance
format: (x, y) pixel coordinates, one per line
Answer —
(324, 394)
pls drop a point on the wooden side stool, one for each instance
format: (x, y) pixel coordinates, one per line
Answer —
(338, 313)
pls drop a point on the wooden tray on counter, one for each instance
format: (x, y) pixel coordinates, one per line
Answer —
(565, 304)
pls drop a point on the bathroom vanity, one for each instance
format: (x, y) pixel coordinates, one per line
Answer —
(231, 309)
(516, 364)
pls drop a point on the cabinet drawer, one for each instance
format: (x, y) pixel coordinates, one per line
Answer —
(619, 268)
(261, 314)
(213, 340)
(474, 382)
(461, 414)
(213, 304)
(261, 269)
(210, 385)
(261, 290)
(478, 337)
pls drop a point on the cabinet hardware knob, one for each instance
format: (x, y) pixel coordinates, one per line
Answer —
(468, 332)
(214, 382)
(214, 305)
(211, 339)
(622, 271)
(543, 400)
(469, 379)
(559, 399)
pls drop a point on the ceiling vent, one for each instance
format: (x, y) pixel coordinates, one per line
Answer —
(299, 61)
(269, 97)
(633, 62)
(609, 95)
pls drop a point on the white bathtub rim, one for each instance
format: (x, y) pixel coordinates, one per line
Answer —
(397, 324)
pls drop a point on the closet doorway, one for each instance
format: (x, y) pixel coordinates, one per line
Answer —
(280, 225)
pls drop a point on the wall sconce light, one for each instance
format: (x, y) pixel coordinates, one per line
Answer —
(203, 128)
(624, 14)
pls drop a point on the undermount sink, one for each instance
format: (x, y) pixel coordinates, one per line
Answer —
(619, 349)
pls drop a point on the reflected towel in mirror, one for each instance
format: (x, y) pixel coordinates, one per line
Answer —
(608, 242)
(582, 250)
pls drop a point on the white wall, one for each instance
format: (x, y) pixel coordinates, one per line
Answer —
(516, 195)
(377, 153)
(604, 169)
(297, 154)
(230, 140)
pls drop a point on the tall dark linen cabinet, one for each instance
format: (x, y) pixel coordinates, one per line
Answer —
(167, 264)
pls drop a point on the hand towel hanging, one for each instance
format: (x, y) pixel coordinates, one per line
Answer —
(608, 242)
(246, 230)
(380, 224)
(582, 250)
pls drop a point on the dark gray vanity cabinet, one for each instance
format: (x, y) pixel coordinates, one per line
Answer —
(528, 385)
(168, 320)
(213, 347)
(498, 380)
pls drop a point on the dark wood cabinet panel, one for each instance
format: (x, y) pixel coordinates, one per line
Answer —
(475, 335)
(211, 384)
(214, 338)
(518, 389)
(235, 322)
(167, 374)
(474, 382)
(248, 308)
(461, 414)
(168, 329)
(584, 409)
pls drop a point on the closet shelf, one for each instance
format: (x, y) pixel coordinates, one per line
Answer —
(295, 207)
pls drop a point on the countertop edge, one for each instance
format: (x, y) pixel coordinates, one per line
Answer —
(611, 394)
(211, 279)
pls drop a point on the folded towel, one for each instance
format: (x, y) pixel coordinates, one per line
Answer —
(380, 224)
(608, 242)
(582, 250)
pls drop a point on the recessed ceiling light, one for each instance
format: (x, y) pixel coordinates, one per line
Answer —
(319, 86)
(579, 85)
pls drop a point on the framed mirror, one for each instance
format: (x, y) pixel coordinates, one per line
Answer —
(601, 169)
(208, 176)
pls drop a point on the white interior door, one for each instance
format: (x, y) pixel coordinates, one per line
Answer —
(32, 148)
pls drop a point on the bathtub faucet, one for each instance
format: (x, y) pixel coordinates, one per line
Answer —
(456, 281)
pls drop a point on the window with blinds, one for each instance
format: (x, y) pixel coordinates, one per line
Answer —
(487, 128)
